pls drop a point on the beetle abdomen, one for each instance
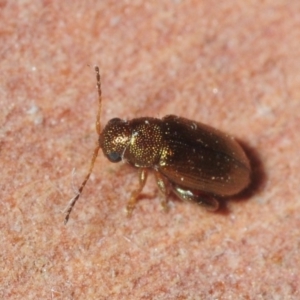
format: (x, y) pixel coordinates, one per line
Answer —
(200, 157)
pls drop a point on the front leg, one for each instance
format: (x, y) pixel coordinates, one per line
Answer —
(134, 195)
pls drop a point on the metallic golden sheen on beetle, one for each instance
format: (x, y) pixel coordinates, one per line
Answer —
(194, 161)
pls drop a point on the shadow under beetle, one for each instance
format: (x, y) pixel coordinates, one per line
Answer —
(194, 161)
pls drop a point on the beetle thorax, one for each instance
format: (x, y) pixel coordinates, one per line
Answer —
(146, 142)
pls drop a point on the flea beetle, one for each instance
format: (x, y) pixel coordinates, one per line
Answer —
(196, 162)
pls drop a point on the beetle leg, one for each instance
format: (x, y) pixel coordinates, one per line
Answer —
(208, 201)
(134, 195)
(163, 188)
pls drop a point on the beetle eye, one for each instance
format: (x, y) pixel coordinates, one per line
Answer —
(114, 156)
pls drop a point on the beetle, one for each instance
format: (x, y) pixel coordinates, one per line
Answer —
(196, 162)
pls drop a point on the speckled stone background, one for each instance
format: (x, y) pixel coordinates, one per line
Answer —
(232, 64)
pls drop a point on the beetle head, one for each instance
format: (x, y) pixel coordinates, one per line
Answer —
(114, 139)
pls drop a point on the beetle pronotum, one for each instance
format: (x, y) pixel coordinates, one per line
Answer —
(195, 161)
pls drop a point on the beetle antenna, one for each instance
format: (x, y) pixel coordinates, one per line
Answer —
(98, 78)
(96, 150)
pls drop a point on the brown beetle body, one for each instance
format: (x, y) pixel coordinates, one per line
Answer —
(193, 160)
(191, 156)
